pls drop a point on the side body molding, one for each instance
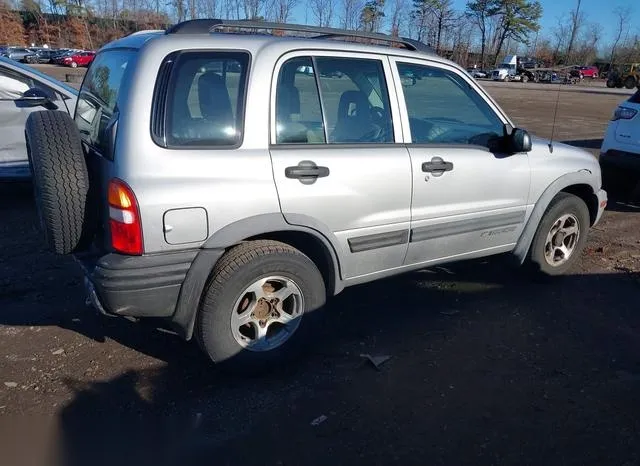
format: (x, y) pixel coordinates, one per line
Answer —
(201, 268)
(524, 242)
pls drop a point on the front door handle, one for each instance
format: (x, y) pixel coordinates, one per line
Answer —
(306, 171)
(437, 166)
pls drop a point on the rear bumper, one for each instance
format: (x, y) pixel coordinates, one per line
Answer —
(138, 286)
(620, 159)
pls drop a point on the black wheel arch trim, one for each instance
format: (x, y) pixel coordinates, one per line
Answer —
(259, 225)
(565, 181)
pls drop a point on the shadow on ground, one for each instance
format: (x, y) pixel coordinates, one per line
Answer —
(585, 143)
(487, 367)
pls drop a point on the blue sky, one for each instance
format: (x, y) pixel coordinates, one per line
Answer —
(600, 11)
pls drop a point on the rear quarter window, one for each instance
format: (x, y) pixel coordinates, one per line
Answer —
(204, 100)
(97, 100)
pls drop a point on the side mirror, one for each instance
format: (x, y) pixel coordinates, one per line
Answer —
(519, 141)
(36, 97)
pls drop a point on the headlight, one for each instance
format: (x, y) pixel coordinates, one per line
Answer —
(623, 113)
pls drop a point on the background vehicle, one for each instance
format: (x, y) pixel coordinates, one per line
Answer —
(78, 59)
(477, 73)
(41, 56)
(620, 152)
(17, 53)
(587, 71)
(22, 91)
(220, 186)
(624, 76)
(512, 69)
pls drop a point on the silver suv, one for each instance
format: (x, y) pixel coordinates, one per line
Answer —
(231, 182)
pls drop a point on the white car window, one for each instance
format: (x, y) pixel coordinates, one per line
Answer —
(12, 85)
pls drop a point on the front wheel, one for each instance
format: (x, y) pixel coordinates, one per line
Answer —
(74, 64)
(630, 82)
(561, 235)
(260, 307)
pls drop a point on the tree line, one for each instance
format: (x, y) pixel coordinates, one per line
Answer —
(479, 34)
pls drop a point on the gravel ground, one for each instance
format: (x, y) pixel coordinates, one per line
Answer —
(487, 367)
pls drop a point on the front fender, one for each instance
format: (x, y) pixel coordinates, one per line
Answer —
(580, 177)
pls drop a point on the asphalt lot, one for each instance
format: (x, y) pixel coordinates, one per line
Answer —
(487, 367)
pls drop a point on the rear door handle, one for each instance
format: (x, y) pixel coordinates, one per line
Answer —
(306, 171)
(437, 166)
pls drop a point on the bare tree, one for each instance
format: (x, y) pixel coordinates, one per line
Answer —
(351, 10)
(281, 10)
(322, 11)
(577, 18)
(397, 17)
(623, 14)
(253, 8)
(560, 33)
(480, 12)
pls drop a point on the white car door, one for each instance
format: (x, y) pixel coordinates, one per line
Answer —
(338, 158)
(469, 197)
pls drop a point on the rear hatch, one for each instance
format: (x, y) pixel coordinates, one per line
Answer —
(628, 128)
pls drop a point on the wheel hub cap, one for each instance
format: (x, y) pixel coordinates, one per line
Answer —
(267, 313)
(562, 240)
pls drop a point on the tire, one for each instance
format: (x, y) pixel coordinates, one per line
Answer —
(563, 204)
(630, 82)
(239, 269)
(74, 64)
(611, 84)
(60, 180)
(525, 78)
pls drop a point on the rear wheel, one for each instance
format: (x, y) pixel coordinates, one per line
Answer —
(260, 307)
(611, 84)
(561, 235)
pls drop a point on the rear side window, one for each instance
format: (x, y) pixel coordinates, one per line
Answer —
(96, 106)
(205, 100)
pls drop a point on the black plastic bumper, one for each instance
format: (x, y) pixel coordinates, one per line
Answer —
(620, 159)
(138, 286)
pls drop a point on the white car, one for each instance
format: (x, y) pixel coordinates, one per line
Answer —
(620, 152)
(23, 90)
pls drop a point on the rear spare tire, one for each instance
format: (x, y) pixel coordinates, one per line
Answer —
(60, 179)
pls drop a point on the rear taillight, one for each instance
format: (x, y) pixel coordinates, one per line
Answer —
(124, 219)
(624, 113)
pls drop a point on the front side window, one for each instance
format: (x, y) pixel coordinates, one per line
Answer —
(332, 100)
(205, 99)
(444, 109)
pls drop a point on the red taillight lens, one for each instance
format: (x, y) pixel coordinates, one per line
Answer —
(124, 219)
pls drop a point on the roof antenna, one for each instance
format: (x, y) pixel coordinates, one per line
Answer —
(555, 115)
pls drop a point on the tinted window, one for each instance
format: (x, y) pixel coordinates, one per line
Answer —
(635, 98)
(298, 112)
(355, 100)
(99, 93)
(444, 109)
(205, 104)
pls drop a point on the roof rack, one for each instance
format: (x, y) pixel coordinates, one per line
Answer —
(205, 26)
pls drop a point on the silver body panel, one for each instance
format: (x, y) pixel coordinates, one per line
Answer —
(376, 208)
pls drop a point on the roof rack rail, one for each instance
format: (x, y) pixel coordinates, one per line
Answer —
(204, 26)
